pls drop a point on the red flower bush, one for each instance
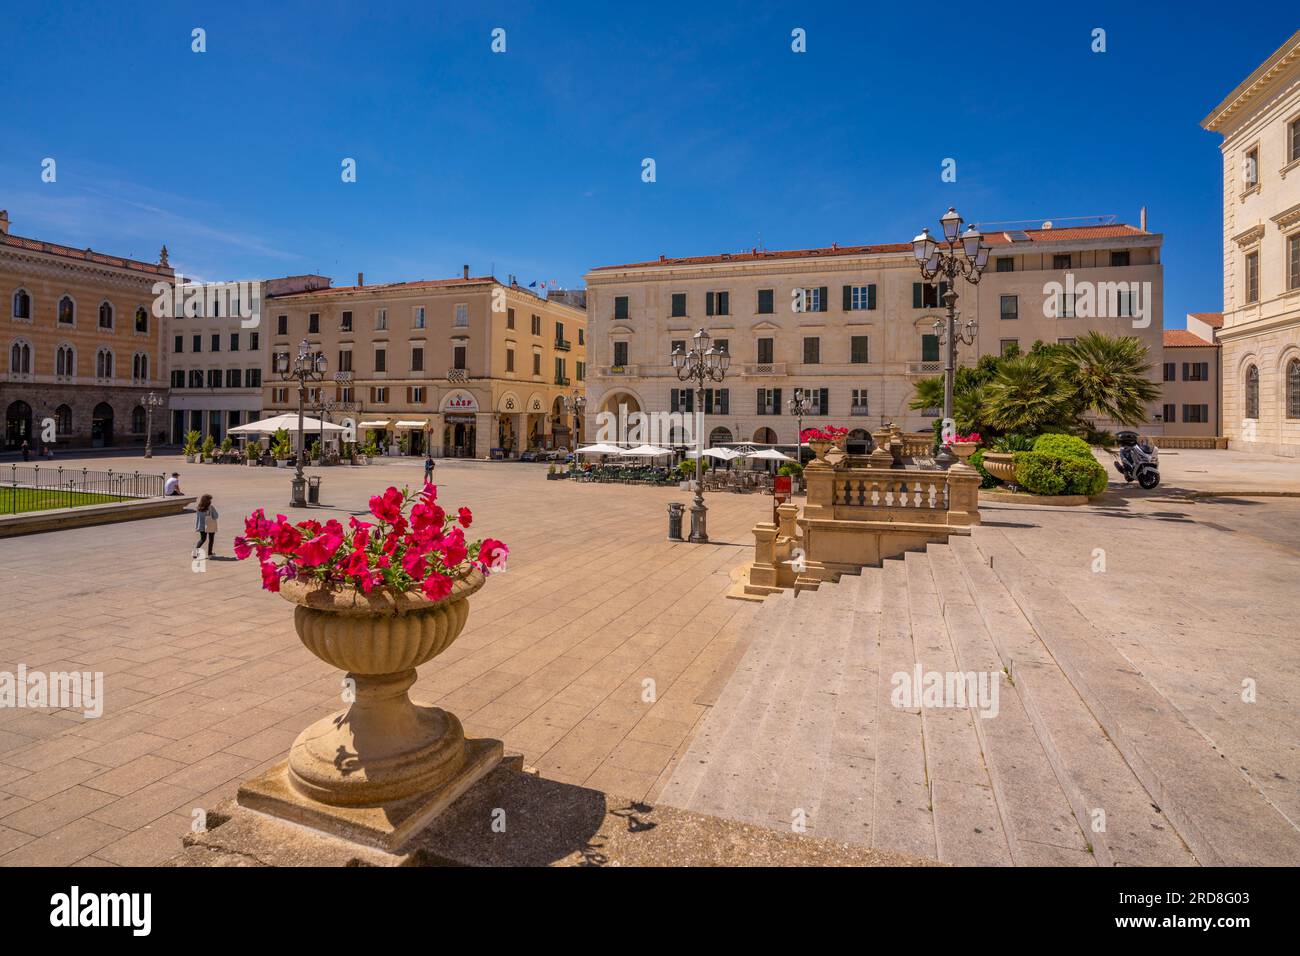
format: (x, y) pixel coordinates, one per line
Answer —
(414, 544)
(972, 437)
(830, 433)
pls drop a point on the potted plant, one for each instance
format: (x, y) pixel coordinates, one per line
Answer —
(191, 447)
(404, 443)
(253, 453)
(227, 443)
(281, 448)
(375, 599)
(795, 471)
(209, 446)
(822, 440)
(314, 452)
(963, 446)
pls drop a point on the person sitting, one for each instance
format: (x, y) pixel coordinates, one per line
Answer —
(172, 486)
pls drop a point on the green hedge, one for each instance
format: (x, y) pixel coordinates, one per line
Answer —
(1041, 473)
(977, 462)
(1066, 446)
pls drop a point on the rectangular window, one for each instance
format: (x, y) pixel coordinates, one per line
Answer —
(582, 336)
(561, 375)
(345, 322)
(197, 343)
(537, 363)
(253, 378)
(510, 318)
(313, 323)
(765, 302)
(216, 341)
(510, 360)
(1005, 264)
(196, 378)
(252, 341)
(214, 378)
(812, 300)
(345, 394)
(1010, 307)
(537, 325)
(1293, 262)
(769, 401)
(858, 351)
(1293, 142)
(1064, 342)
(1252, 277)
(679, 305)
(381, 360)
(1171, 369)
(1169, 415)
(345, 360)
(462, 315)
(812, 350)
(179, 345)
(178, 378)
(722, 345)
(233, 376)
(929, 347)
(858, 298)
(620, 354)
(717, 401)
(681, 399)
(417, 317)
(1065, 304)
(234, 341)
(381, 320)
(1124, 304)
(280, 396)
(620, 309)
(281, 325)
(860, 405)
(717, 303)
(1196, 371)
(816, 399)
(458, 355)
(766, 349)
(928, 295)
(1196, 414)
(1119, 258)
(379, 394)
(677, 345)
(1251, 170)
(415, 395)
(1009, 346)
(581, 370)
(1061, 261)
(417, 358)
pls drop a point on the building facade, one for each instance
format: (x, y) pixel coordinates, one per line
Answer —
(853, 327)
(465, 367)
(82, 345)
(1260, 125)
(1191, 379)
(217, 354)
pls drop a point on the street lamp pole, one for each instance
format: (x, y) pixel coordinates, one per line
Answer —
(699, 365)
(308, 366)
(575, 404)
(958, 255)
(151, 401)
(799, 408)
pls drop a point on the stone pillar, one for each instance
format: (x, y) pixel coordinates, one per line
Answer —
(434, 436)
(485, 434)
(763, 572)
(963, 495)
(820, 478)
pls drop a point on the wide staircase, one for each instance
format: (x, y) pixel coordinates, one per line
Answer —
(1085, 763)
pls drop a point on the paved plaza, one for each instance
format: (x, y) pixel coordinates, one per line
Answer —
(609, 657)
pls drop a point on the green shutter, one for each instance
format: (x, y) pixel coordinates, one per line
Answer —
(929, 348)
(916, 295)
(871, 296)
(848, 298)
(825, 399)
(825, 299)
(776, 401)
(708, 303)
(758, 405)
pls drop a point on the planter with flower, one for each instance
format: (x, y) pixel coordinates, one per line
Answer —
(821, 440)
(375, 599)
(963, 446)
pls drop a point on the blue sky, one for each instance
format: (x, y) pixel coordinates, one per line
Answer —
(529, 162)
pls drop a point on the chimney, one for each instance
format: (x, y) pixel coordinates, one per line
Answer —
(361, 278)
(4, 222)
(1142, 218)
(465, 271)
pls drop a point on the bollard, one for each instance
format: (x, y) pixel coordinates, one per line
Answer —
(675, 510)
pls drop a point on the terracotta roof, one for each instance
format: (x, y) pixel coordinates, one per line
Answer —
(1182, 339)
(36, 245)
(1213, 319)
(997, 238)
(389, 287)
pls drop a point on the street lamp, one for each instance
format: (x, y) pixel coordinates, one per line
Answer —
(574, 405)
(700, 364)
(957, 255)
(151, 401)
(307, 366)
(799, 407)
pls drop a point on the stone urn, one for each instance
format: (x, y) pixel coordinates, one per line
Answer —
(379, 770)
(963, 450)
(819, 447)
(1001, 465)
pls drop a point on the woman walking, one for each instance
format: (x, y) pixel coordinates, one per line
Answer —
(205, 523)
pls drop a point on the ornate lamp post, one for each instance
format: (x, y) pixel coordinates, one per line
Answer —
(958, 255)
(574, 405)
(307, 366)
(799, 407)
(151, 401)
(699, 365)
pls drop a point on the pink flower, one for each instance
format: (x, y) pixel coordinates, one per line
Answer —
(436, 586)
(492, 555)
(242, 548)
(270, 576)
(355, 564)
(414, 564)
(464, 517)
(318, 550)
(387, 508)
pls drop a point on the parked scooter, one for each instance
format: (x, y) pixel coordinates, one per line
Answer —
(1138, 460)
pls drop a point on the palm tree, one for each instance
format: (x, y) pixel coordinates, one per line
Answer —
(1026, 395)
(1106, 374)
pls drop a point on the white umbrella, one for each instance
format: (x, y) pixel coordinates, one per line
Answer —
(600, 448)
(646, 451)
(288, 421)
(770, 454)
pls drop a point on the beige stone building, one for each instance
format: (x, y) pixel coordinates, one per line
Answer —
(1260, 125)
(466, 367)
(1192, 378)
(82, 345)
(853, 326)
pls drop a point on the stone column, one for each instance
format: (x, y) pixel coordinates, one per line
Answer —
(963, 495)
(434, 437)
(485, 434)
(763, 571)
(820, 478)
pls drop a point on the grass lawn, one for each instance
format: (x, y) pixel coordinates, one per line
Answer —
(20, 500)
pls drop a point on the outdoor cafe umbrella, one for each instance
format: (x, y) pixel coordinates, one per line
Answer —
(769, 454)
(289, 422)
(645, 451)
(600, 448)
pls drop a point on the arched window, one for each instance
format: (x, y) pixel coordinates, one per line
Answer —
(67, 311)
(22, 305)
(1293, 388)
(104, 363)
(20, 358)
(142, 319)
(719, 436)
(63, 419)
(106, 314)
(65, 361)
(1252, 392)
(140, 366)
(137, 419)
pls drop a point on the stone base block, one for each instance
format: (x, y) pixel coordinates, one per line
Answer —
(388, 827)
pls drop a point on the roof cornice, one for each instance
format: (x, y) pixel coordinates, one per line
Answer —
(1286, 56)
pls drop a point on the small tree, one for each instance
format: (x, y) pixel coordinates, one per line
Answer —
(191, 443)
(209, 444)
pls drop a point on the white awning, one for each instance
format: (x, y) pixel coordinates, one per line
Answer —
(378, 424)
(287, 421)
(413, 423)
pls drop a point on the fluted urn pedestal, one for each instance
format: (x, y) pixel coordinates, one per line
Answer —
(381, 769)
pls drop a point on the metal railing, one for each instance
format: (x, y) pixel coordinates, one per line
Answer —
(40, 489)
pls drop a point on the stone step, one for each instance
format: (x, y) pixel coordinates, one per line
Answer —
(1221, 815)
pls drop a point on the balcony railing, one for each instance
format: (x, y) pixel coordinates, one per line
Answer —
(924, 367)
(763, 368)
(607, 370)
(561, 380)
(858, 410)
(562, 345)
(457, 375)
